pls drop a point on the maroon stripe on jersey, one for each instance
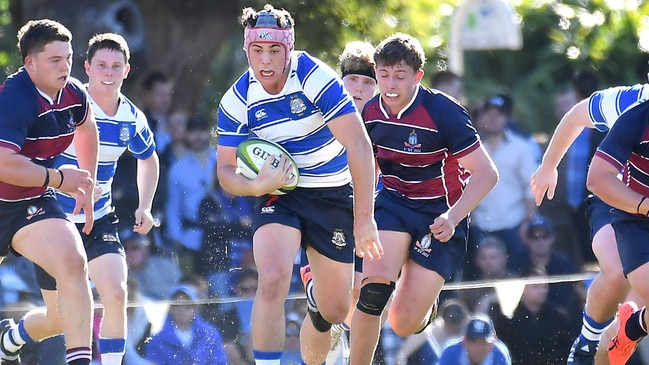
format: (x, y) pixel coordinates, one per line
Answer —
(45, 148)
(10, 146)
(429, 189)
(10, 192)
(609, 159)
(410, 159)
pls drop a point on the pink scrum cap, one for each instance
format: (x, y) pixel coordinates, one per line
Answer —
(267, 30)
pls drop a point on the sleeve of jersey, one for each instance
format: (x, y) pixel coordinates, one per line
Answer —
(461, 137)
(80, 113)
(606, 106)
(324, 88)
(142, 144)
(232, 118)
(622, 138)
(14, 120)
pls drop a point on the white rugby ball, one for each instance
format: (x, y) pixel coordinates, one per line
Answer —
(251, 155)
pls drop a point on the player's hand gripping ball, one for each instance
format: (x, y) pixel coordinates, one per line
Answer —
(251, 155)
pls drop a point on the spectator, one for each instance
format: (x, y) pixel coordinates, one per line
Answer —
(559, 210)
(504, 210)
(234, 319)
(427, 346)
(540, 240)
(507, 103)
(225, 222)
(575, 168)
(291, 354)
(156, 274)
(491, 261)
(186, 338)
(137, 324)
(538, 332)
(449, 83)
(190, 181)
(158, 90)
(175, 150)
(478, 346)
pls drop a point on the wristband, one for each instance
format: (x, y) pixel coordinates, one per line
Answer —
(637, 209)
(60, 173)
(47, 178)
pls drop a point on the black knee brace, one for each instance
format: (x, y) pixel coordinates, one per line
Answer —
(319, 323)
(374, 297)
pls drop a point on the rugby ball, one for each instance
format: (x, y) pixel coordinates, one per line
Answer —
(251, 155)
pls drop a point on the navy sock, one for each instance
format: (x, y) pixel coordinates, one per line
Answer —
(633, 326)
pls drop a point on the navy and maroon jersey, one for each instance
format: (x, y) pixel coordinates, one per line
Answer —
(37, 127)
(626, 147)
(418, 149)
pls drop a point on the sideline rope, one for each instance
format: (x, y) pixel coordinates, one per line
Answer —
(448, 286)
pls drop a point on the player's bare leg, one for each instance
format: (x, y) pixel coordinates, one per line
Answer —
(55, 245)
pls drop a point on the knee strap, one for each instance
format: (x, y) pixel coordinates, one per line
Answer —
(319, 323)
(374, 297)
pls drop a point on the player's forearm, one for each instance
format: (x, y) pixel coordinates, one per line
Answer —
(602, 180)
(86, 145)
(19, 170)
(148, 173)
(362, 168)
(237, 184)
(567, 131)
(482, 181)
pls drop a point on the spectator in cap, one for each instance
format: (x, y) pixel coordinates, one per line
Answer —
(510, 204)
(155, 275)
(540, 241)
(185, 337)
(478, 346)
(505, 103)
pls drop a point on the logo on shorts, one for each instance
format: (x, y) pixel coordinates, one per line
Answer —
(33, 211)
(412, 145)
(423, 246)
(108, 237)
(268, 210)
(338, 238)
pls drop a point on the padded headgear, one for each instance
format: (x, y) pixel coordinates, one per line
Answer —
(267, 30)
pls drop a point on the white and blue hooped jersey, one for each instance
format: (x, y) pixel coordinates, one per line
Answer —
(296, 118)
(606, 106)
(128, 128)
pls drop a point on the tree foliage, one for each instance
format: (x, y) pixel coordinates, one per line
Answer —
(560, 38)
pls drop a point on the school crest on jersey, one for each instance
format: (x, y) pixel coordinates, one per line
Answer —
(124, 133)
(423, 246)
(412, 144)
(338, 238)
(70, 120)
(297, 105)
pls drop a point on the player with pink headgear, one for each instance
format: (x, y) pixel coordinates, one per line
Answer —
(297, 101)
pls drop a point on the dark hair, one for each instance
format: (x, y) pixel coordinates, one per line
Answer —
(249, 16)
(357, 58)
(36, 34)
(585, 83)
(112, 41)
(154, 78)
(454, 311)
(197, 122)
(443, 77)
(248, 273)
(399, 48)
